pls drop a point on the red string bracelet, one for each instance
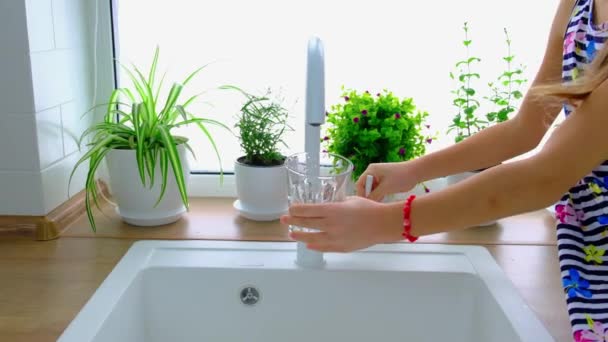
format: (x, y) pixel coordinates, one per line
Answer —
(407, 222)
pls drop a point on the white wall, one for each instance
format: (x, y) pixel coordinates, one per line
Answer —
(46, 84)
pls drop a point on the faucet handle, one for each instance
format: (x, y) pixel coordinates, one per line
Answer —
(369, 182)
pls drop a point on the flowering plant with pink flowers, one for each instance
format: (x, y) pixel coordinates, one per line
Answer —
(376, 128)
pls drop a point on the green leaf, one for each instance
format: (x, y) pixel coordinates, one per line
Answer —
(190, 149)
(149, 162)
(105, 127)
(139, 143)
(111, 105)
(182, 112)
(96, 148)
(517, 94)
(176, 90)
(200, 120)
(459, 101)
(175, 161)
(160, 86)
(136, 83)
(194, 74)
(470, 91)
(128, 93)
(153, 68)
(90, 184)
(464, 77)
(164, 166)
(148, 99)
(190, 100)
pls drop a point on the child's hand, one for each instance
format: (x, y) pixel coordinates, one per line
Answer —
(345, 226)
(389, 178)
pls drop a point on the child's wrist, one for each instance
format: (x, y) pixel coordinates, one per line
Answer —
(398, 222)
(392, 222)
(415, 170)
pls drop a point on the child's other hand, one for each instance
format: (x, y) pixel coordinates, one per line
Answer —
(389, 178)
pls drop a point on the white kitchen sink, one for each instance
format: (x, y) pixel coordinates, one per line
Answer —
(245, 291)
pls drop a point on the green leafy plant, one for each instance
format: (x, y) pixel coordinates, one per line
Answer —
(466, 122)
(261, 124)
(505, 92)
(375, 129)
(139, 121)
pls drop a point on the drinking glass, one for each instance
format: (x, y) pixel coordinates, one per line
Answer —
(311, 181)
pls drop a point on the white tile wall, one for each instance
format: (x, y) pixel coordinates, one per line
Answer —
(74, 124)
(21, 193)
(71, 26)
(81, 66)
(55, 182)
(52, 75)
(46, 69)
(18, 143)
(40, 25)
(50, 136)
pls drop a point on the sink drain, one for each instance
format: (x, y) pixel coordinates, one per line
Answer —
(250, 295)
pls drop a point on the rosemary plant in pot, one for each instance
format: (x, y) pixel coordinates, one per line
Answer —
(147, 162)
(261, 178)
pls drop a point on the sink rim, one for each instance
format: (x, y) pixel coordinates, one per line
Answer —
(90, 319)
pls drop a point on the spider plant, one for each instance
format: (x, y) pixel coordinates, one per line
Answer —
(137, 120)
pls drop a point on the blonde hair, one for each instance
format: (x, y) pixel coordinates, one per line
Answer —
(592, 77)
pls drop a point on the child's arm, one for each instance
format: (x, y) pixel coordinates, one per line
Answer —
(508, 139)
(575, 148)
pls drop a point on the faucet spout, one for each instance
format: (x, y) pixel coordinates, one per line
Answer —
(315, 117)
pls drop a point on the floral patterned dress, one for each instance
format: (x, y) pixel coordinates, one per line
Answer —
(582, 230)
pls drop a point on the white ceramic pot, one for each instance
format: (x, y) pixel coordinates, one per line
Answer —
(453, 179)
(261, 191)
(136, 202)
(459, 177)
(433, 185)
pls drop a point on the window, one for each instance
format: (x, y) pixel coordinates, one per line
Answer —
(408, 47)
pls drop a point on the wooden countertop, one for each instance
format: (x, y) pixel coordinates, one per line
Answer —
(216, 219)
(43, 285)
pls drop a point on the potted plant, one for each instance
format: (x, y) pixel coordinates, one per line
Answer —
(147, 163)
(261, 178)
(377, 128)
(505, 95)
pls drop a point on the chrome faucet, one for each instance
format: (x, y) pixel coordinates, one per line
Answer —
(315, 117)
